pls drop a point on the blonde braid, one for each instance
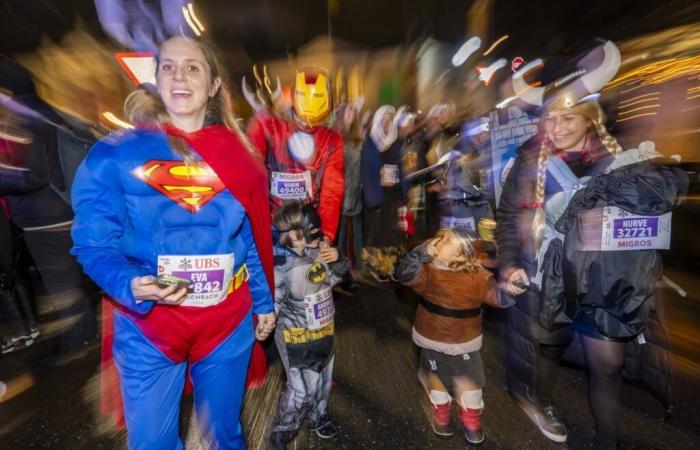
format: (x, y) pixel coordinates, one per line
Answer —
(539, 219)
(609, 142)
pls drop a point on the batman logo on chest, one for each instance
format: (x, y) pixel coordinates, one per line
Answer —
(316, 273)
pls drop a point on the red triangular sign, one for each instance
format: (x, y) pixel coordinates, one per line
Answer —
(139, 67)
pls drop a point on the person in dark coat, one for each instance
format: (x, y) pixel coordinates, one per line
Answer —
(32, 186)
(384, 194)
(579, 225)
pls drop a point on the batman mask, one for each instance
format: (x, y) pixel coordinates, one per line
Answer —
(311, 224)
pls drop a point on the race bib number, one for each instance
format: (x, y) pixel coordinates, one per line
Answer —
(319, 309)
(210, 276)
(626, 231)
(463, 223)
(291, 186)
(390, 174)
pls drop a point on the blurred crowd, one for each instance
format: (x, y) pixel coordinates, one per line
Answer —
(405, 180)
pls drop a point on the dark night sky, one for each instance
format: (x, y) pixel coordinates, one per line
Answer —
(267, 28)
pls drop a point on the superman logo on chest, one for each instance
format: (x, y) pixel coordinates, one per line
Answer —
(191, 185)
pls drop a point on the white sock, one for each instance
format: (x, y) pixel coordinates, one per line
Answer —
(439, 397)
(472, 399)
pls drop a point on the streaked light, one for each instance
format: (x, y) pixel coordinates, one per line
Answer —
(190, 7)
(640, 108)
(14, 138)
(657, 73)
(644, 100)
(532, 65)
(466, 50)
(190, 22)
(501, 39)
(635, 117)
(640, 96)
(116, 120)
(506, 102)
(485, 73)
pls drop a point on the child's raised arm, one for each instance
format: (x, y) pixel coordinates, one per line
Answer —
(410, 269)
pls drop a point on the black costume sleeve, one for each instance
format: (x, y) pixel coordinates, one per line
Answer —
(508, 216)
(33, 158)
(339, 269)
(411, 265)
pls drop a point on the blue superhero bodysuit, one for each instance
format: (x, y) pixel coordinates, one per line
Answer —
(140, 211)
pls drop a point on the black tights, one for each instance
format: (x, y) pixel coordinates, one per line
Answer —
(547, 371)
(604, 360)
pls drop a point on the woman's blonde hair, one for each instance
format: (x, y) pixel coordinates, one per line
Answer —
(594, 113)
(465, 244)
(146, 108)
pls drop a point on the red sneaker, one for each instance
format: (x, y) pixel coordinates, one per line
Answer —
(441, 419)
(472, 425)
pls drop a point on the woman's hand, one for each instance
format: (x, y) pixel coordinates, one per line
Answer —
(327, 254)
(266, 323)
(146, 289)
(516, 283)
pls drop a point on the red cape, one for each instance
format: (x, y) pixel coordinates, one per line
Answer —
(245, 176)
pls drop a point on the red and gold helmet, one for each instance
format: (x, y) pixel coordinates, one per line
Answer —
(312, 98)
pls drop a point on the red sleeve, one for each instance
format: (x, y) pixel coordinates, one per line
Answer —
(332, 188)
(258, 130)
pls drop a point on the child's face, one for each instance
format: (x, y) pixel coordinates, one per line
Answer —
(449, 251)
(301, 242)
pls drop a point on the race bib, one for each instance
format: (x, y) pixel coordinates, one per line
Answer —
(319, 309)
(291, 186)
(464, 223)
(390, 174)
(210, 275)
(626, 231)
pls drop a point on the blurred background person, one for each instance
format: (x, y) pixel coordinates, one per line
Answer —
(36, 197)
(384, 195)
(18, 324)
(350, 240)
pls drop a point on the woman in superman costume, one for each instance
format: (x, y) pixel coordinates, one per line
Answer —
(183, 194)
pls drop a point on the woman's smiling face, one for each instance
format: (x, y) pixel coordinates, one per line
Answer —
(566, 129)
(184, 82)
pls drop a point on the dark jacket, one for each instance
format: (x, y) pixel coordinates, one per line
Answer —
(648, 363)
(30, 192)
(612, 291)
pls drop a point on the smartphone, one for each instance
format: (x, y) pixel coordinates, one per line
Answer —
(164, 280)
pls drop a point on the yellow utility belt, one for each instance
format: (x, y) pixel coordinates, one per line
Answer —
(241, 277)
(304, 335)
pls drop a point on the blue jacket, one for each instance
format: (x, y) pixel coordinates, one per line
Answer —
(133, 203)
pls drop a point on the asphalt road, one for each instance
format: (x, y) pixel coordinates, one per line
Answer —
(376, 398)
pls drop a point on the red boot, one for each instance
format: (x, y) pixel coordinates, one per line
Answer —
(472, 425)
(441, 418)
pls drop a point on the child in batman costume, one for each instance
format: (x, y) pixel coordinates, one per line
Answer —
(306, 269)
(445, 272)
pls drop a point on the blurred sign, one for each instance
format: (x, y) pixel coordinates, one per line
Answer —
(516, 63)
(139, 67)
(485, 73)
